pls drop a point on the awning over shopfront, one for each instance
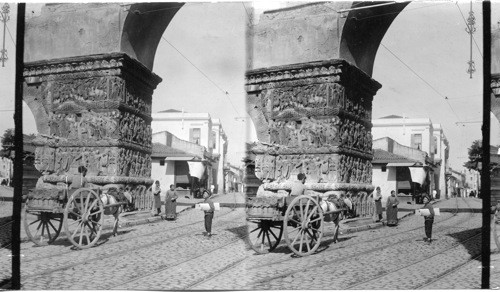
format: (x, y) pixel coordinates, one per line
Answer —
(418, 174)
(401, 164)
(179, 158)
(196, 169)
(168, 153)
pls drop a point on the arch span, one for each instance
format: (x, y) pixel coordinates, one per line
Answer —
(364, 30)
(143, 28)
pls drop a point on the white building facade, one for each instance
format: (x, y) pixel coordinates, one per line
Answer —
(421, 134)
(441, 149)
(199, 129)
(219, 140)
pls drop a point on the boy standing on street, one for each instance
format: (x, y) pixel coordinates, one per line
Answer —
(209, 214)
(429, 220)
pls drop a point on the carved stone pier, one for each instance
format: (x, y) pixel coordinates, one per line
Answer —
(92, 111)
(313, 118)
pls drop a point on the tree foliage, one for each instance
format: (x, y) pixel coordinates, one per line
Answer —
(476, 157)
(8, 139)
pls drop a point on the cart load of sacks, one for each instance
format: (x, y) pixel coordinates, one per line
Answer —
(269, 204)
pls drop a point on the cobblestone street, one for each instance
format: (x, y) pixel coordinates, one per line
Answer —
(166, 255)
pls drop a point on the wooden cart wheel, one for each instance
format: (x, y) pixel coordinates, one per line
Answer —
(264, 235)
(83, 218)
(495, 225)
(303, 224)
(42, 228)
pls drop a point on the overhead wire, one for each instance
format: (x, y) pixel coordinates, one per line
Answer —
(12, 39)
(467, 96)
(421, 78)
(225, 92)
(248, 13)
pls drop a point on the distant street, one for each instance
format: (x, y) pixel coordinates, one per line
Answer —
(175, 255)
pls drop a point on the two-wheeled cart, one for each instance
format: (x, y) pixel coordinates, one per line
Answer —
(81, 211)
(300, 219)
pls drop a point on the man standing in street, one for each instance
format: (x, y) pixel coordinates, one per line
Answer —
(429, 220)
(209, 214)
(298, 187)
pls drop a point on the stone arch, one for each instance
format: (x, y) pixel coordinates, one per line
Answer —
(32, 95)
(143, 28)
(353, 36)
(362, 33)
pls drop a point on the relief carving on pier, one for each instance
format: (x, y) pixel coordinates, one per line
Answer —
(355, 135)
(44, 159)
(99, 126)
(308, 132)
(134, 163)
(265, 166)
(354, 170)
(97, 111)
(307, 96)
(315, 118)
(318, 168)
(100, 161)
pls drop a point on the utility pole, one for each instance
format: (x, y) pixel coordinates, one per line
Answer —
(471, 21)
(5, 18)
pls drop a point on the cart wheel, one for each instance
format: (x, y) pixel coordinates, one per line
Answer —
(303, 224)
(42, 228)
(264, 235)
(495, 225)
(86, 211)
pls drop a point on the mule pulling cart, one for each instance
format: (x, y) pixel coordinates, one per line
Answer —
(300, 219)
(81, 211)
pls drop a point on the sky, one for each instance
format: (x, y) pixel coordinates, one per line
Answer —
(429, 39)
(430, 50)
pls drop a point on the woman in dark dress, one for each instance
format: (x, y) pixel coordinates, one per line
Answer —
(171, 204)
(392, 209)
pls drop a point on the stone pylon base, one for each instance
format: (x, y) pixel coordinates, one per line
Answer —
(313, 118)
(92, 111)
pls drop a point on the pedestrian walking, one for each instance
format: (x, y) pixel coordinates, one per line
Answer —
(298, 187)
(209, 214)
(377, 197)
(171, 204)
(429, 219)
(156, 195)
(392, 209)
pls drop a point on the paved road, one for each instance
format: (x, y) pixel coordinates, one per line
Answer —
(175, 255)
